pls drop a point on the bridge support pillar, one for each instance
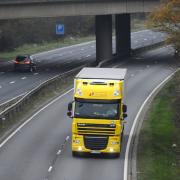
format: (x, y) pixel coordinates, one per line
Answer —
(123, 35)
(103, 37)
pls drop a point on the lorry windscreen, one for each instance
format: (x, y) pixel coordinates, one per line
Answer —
(96, 110)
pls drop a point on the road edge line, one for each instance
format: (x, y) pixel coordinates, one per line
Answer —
(29, 119)
(126, 160)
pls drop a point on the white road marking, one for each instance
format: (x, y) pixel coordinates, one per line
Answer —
(50, 169)
(2, 72)
(59, 152)
(12, 99)
(35, 114)
(132, 75)
(23, 78)
(145, 39)
(134, 124)
(12, 82)
(35, 74)
(82, 49)
(88, 56)
(0, 86)
(67, 138)
(148, 66)
(92, 46)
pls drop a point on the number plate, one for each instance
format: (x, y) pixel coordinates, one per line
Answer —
(95, 152)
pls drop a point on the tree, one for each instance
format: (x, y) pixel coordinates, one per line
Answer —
(166, 18)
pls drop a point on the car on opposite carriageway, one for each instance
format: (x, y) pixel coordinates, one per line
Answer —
(24, 63)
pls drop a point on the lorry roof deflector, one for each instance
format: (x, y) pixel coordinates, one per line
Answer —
(102, 73)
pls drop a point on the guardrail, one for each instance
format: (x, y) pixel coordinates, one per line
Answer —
(9, 113)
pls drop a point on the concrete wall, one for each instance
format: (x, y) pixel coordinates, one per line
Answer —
(11, 9)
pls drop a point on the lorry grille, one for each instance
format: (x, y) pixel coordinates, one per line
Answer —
(96, 129)
(95, 142)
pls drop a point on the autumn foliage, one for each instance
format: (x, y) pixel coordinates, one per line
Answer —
(166, 18)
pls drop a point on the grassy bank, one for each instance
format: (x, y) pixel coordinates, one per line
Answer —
(159, 141)
(35, 48)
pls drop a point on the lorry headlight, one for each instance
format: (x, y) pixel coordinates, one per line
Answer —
(76, 141)
(116, 93)
(79, 148)
(111, 149)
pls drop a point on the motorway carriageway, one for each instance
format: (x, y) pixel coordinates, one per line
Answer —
(40, 149)
(51, 63)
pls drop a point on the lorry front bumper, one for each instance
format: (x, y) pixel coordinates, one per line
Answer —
(113, 145)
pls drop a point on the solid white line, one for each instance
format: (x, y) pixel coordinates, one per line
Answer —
(28, 120)
(134, 124)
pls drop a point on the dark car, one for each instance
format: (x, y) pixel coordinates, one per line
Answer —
(24, 63)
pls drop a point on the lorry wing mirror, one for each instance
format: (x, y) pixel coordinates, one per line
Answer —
(124, 108)
(69, 113)
(70, 106)
(125, 116)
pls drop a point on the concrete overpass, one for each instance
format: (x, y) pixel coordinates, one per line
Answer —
(102, 9)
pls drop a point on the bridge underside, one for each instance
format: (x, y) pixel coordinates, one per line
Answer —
(27, 9)
(102, 9)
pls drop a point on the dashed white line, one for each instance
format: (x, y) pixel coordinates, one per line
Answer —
(35, 73)
(0, 86)
(50, 169)
(2, 72)
(88, 56)
(12, 82)
(59, 152)
(92, 46)
(145, 39)
(23, 78)
(67, 138)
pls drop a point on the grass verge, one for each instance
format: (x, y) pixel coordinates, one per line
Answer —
(158, 156)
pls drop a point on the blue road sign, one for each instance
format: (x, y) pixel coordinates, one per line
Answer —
(60, 29)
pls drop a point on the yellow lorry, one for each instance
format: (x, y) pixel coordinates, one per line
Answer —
(98, 111)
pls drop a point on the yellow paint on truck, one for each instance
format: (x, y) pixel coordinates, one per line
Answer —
(98, 111)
